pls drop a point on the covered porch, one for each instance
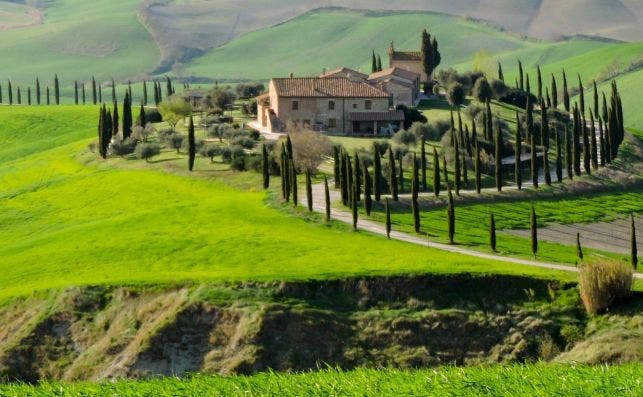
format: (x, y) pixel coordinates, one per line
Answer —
(375, 123)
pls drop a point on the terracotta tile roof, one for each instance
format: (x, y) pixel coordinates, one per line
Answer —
(392, 115)
(333, 87)
(395, 71)
(343, 72)
(407, 56)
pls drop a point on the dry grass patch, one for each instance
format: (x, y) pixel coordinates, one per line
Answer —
(601, 283)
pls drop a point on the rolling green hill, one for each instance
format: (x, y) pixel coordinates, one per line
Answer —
(68, 219)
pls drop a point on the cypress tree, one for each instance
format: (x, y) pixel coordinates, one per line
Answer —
(489, 122)
(527, 85)
(445, 170)
(436, 173)
(354, 206)
(84, 93)
(576, 141)
(373, 63)
(101, 115)
(37, 91)
(586, 149)
(477, 167)
(289, 150)
(401, 173)
(127, 116)
(544, 126)
(113, 91)
(546, 171)
(518, 153)
(357, 178)
(29, 96)
(100, 93)
(48, 95)
(327, 198)
(559, 159)
(392, 180)
(377, 172)
(56, 90)
(595, 99)
(10, 92)
(554, 91)
(0, 92)
(456, 168)
(601, 140)
(540, 84)
(129, 88)
(336, 167)
(426, 53)
(565, 93)
(387, 208)
(94, 94)
(579, 249)
(529, 121)
(309, 191)
(115, 120)
(608, 143)
(141, 116)
(76, 92)
(191, 144)
(423, 163)
(265, 166)
(19, 96)
(465, 174)
(379, 64)
(547, 97)
(569, 160)
(344, 178)
(521, 79)
(145, 92)
(501, 76)
(498, 155)
(605, 110)
(582, 96)
(534, 231)
(451, 217)
(368, 203)
(293, 182)
(349, 180)
(593, 142)
(634, 259)
(415, 186)
(534, 160)
(169, 88)
(492, 232)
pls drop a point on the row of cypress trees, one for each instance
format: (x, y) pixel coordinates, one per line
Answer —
(49, 96)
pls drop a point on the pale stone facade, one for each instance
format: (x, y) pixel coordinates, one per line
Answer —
(407, 60)
(403, 85)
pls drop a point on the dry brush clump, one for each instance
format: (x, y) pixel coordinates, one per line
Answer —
(601, 283)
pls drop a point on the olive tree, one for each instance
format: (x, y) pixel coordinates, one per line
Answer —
(174, 109)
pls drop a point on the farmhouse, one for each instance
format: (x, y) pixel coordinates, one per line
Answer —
(407, 60)
(327, 104)
(403, 85)
(350, 74)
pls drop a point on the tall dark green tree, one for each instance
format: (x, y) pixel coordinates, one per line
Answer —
(191, 144)
(327, 198)
(534, 231)
(437, 57)
(48, 95)
(587, 158)
(76, 97)
(56, 90)
(423, 163)
(426, 53)
(379, 63)
(144, 92)
(169, 89)
(309, 191)
(337, 166)
(292, 173)
(451, 217)
(581, 93)
(113, 91)
(29, 96)
(492, 232)
(576, 146)
(579, 248)
(401, 172)
(559, 158)
(368, 203)
(569, 158)
(544, 126)
(387, 209)
(498, 157)
(501, 75)
(436, 173)
(265, 166)
(94, 92)
(82, 88)
(521, 78)
(10, 92)
(565, 93)
(445, 170)
(0, 92)
(354, 208)
(477, 165)
(601, 140)
(377, 173)
(415, 187)
(392, 177)
(595, 99)
(142, 117)
(457, 178)
(100, 93)
(554, 92)
(546, 170)
(634, 258)
(115, 120)
(19, 95)
(343, 180)
(593, 143)
(374, 63)
(357, 177)
(540, 84)
(518, 153)
(127, 116)
(38, 94)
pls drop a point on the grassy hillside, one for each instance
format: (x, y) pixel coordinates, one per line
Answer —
(77, 41)
(331, 38)
(70, 220)
(532, 380)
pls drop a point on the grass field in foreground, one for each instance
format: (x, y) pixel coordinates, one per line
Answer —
(513, 380)
(69, 219)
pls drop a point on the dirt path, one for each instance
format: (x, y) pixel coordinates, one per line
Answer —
(319, 205)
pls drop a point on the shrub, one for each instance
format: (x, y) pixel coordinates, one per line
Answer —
(517, 98)
(498, 88)
(210, 151)
(310, 148)
(405, 137)
(411, 115)
(232, 152)
(165, 134)
(124, 147)
(153, 116)
(253, 162)
(238, 164)
(147, 151)
(601, 283)
(456, 94)
(482, 90)
(243, 141)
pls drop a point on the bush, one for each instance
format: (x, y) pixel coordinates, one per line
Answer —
(517, 98)
(405, 137)
(210, 151)
(165, 134)
(482, 90)
(498, 88)
(456, 94)
(153, 116)
(147, 151)
(253, 162)
(243, 141)
(411, 115)
(176, 141)
(232, 152)
(382, 146)
(124, 147)
(601, 283)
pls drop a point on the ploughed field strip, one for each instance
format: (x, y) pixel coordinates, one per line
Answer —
(605, 236)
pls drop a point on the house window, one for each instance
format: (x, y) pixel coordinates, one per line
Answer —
(295, 105)
(331, 105)
(332, 123)
(368, 105)
(354, 106)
